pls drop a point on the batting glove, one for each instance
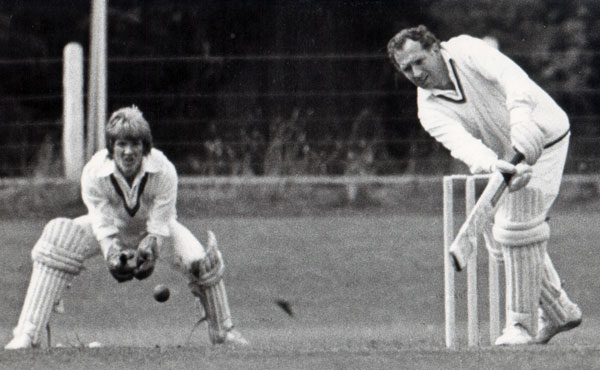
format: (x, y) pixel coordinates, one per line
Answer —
(121, 263)
(145, 257)
(528, 139)
(521, 173)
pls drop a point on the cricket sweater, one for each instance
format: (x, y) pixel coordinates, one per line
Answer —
(490, 94)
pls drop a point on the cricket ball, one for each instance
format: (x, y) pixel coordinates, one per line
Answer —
(161, 293)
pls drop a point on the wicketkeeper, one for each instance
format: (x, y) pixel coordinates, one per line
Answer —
(483, 107)
(130, 191)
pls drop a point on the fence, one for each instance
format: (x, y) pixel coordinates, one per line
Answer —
(269, 115)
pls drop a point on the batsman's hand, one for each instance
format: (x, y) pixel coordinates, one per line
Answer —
(521, 173)
(145, 257)
(121, 263)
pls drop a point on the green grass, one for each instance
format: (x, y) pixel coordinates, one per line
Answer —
(366, 289)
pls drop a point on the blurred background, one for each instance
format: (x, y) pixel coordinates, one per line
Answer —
(276, 88)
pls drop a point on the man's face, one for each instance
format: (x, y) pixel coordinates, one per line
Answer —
(128, 155)
(424, 68)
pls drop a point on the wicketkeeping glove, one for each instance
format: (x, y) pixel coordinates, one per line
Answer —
(121, 263)
(145, 257)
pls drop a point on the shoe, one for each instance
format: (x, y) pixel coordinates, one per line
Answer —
(514, 335)
(235, 337)
(22, 341)
(547, 329)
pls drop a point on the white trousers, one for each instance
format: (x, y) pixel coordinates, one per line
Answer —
(548, 171)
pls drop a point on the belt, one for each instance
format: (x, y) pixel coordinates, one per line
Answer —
(555, 141)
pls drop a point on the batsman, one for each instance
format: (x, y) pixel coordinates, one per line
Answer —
(485, 109)
(130, 191)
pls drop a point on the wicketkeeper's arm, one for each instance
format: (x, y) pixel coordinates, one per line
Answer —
(162, 209)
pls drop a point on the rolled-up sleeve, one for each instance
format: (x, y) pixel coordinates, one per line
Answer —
(98, 205)
(163, 208)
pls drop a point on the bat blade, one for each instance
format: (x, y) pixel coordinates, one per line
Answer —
(485, 208)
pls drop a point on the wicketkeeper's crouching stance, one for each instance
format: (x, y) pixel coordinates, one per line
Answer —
(130, 191)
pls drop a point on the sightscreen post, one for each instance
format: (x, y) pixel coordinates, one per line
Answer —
(96, 113)
(73, 112)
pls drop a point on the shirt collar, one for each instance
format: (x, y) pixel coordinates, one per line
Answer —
(456, 94)
(108, 167)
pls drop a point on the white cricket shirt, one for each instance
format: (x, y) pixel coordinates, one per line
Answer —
(113, 206)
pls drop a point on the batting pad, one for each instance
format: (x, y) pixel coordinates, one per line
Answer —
(208, 285)
(57, 256)
(216, 307)
(494, 248)
(520, 227)
(556, 304)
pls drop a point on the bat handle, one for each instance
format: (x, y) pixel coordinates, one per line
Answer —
(518, 157)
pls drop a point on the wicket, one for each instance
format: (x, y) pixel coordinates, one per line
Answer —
(470, 182)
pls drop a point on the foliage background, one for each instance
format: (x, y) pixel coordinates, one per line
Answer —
(281, 87)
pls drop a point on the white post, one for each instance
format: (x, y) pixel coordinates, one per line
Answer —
(472, 304)
(449, 293)
(96, 114)
(73, 121)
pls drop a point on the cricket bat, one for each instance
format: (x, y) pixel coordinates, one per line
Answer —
(486, 206)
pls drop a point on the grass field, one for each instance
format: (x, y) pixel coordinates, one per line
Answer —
(366, 290)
